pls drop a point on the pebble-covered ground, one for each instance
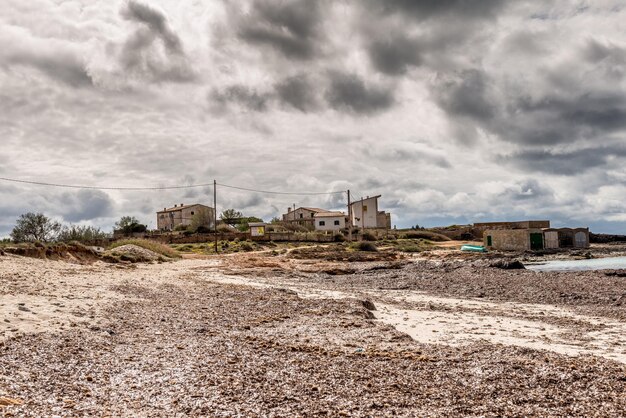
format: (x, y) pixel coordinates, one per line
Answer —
(184, 346)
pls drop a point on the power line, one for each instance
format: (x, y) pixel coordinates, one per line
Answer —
(72, 186)
(281, 193)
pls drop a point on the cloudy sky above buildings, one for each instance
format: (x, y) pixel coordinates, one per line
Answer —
(454, 110)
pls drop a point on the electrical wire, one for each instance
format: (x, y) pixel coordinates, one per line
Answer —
(73, 186)
(281, 193)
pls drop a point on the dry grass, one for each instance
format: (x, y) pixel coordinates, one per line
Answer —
(154, 246)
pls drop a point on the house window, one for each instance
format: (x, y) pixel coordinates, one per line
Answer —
(301, 216)
(336, 222)
(365, 208)
(322, 223)
(312, 214)
(192, 213)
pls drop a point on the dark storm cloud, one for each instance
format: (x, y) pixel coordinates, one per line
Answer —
(467, 96)
(394, 54)
(424, 9)
(344, 92)
(349, 92)
(85, 205)
(595, 52)
(245, 97)
(564, 163)
(525, 190)
(156, 21)
(569, 112)
(298, 92)
(291, 27)
(64, 67)
(139, 54)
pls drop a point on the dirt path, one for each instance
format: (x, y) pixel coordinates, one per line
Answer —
(451, 321)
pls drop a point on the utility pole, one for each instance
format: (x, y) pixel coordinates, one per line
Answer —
(215, 212)
(349, 218)
(362, 219)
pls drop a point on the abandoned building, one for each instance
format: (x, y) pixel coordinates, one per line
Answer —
(523, 239)
(169, 219)
(479, 228)
(365, 214)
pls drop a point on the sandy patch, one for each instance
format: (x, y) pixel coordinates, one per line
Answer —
(451, 321)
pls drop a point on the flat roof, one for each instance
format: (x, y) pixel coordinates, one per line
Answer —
(329, 214)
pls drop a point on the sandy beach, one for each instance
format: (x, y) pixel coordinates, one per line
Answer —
(266, 335)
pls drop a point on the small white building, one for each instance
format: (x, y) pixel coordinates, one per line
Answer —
(257, 229)
(329, 221)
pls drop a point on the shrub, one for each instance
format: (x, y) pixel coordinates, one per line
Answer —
(339, 238)
(246, 246)
(365, 246)
(368, 236)
(432, 236)
(154, 246)
(82, 234)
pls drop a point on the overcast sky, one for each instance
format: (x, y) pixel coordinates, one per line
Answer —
(455, 111)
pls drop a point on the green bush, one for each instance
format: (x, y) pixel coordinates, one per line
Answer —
(365, 246)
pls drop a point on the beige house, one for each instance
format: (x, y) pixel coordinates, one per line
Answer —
(330, 221)
(365, 214)
(169, 219)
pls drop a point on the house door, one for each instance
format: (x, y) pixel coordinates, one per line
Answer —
(536, 241)
(489, 241)
(581, 239)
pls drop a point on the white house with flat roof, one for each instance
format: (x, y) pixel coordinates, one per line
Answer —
(365, 214)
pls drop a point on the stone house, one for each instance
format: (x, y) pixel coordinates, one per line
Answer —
(302, 216)
(169, 219)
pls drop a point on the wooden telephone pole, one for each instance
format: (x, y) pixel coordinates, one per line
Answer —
(215, 212)
(349, 218)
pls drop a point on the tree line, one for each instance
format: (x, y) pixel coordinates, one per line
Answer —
(37, 227)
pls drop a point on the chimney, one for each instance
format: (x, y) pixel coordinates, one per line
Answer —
(175, 206)
(181, 205)
(289, 209)
(164, 209)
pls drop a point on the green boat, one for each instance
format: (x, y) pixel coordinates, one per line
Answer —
(474, 248)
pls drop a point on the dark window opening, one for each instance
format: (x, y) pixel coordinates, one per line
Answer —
(336, 222)
(322, 223)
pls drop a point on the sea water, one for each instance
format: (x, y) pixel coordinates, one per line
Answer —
(608, 263)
